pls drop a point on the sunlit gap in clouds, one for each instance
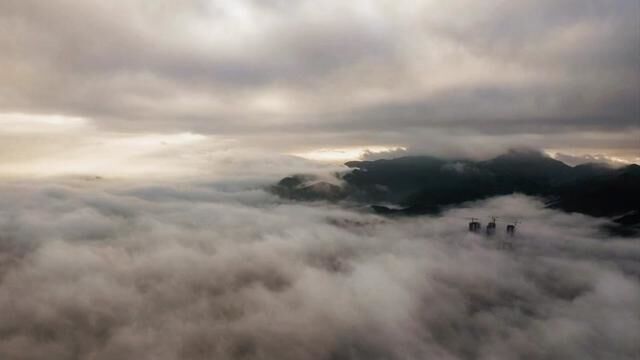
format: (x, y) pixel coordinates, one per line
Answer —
(345, 153)
(572, 157)
(28, 123)
(64, 145)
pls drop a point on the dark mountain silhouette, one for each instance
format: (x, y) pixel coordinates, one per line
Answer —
(423, 184)
(308, 188)
(615, 193)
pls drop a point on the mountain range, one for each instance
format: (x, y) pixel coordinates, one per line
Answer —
(417, 185)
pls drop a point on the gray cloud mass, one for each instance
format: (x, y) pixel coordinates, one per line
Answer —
(366, 71)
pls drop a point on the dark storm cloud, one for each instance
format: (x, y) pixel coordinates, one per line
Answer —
(200, 271)
(368, 67)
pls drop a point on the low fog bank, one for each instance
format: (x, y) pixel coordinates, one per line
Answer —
(224, 270)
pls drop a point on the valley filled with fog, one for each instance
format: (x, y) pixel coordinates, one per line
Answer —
(201, 269)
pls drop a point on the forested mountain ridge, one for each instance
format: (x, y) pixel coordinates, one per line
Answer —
(424, 184)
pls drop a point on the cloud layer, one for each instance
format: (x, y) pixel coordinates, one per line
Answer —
(204, 270)
(552, 74)
(212, 266)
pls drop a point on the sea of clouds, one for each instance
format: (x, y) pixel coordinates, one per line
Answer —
(224, 270)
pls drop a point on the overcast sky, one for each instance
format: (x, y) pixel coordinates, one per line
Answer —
(303, 77)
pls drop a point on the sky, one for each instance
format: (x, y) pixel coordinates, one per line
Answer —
(94, 85)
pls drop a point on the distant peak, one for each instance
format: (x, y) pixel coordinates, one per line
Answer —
(631, 169)
(526, 156)
(525, 153)
(594, 165)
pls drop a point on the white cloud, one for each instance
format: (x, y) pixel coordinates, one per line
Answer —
(16, 123)
(200, 270)
(329, 71)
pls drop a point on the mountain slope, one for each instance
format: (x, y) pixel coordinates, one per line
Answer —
(423, 184)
